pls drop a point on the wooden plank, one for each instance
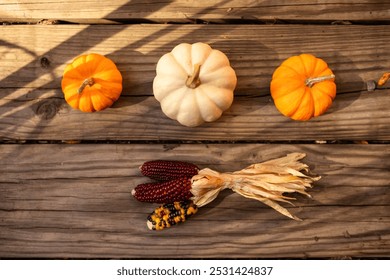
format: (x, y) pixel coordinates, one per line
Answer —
(32, 105)
(32, 57)
(76, 203)
(358, 116)
(190, 11)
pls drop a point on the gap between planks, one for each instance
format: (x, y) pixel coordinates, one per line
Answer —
(194, 11)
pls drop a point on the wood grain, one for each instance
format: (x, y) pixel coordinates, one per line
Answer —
(193, 11)
(32, 105)
(74, 201)
(35, 59)
(358, 116)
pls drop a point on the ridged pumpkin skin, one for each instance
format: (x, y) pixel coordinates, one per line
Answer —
(303, 87)
(194, 84)
(91, 83)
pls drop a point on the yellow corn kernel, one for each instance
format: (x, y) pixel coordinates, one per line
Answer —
(170, 214)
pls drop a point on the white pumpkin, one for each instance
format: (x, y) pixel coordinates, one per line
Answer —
(194, 84)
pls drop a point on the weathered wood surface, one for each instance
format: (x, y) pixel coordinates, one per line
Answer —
(32, 105)
(192, 11)
(33, 58)
(352, 117)
(74, 201)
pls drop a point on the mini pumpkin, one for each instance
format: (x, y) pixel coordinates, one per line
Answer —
(303, 87)
(91, 82)
(194, 84)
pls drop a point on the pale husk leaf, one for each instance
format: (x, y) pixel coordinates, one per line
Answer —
(265, 182)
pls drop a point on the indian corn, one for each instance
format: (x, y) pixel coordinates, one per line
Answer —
(267, 182)
(166, 170)
(164, 192)
(170, 214)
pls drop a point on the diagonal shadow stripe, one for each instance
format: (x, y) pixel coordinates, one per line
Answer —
(92, 41)
(72, 40)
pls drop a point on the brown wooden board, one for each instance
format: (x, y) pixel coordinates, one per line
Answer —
(73, 201)
(32, 105)
(192, 11)
(33, 58)
(353, 117)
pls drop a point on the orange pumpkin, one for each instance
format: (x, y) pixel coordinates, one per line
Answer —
(91, 83)
(303, 87)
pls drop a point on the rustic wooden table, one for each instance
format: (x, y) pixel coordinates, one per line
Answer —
(66, 176)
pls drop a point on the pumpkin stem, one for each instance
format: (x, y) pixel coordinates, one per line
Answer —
(87, 82)
(311, 81)
(385, 77)
(193, 81)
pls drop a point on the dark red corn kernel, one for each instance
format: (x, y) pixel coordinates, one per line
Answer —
(166, 170)
(164, 192)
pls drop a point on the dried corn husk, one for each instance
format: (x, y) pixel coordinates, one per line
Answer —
(266, 182)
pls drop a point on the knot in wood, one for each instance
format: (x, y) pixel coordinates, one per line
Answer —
(45, 62)
(47, 110)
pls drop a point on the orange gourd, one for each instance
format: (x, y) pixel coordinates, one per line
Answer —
(383, 80)
(303, 87)
(91, 83)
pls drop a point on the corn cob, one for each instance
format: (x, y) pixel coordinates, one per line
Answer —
(266, 182)
(170, 214)
(166, 170)
(164, 192)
